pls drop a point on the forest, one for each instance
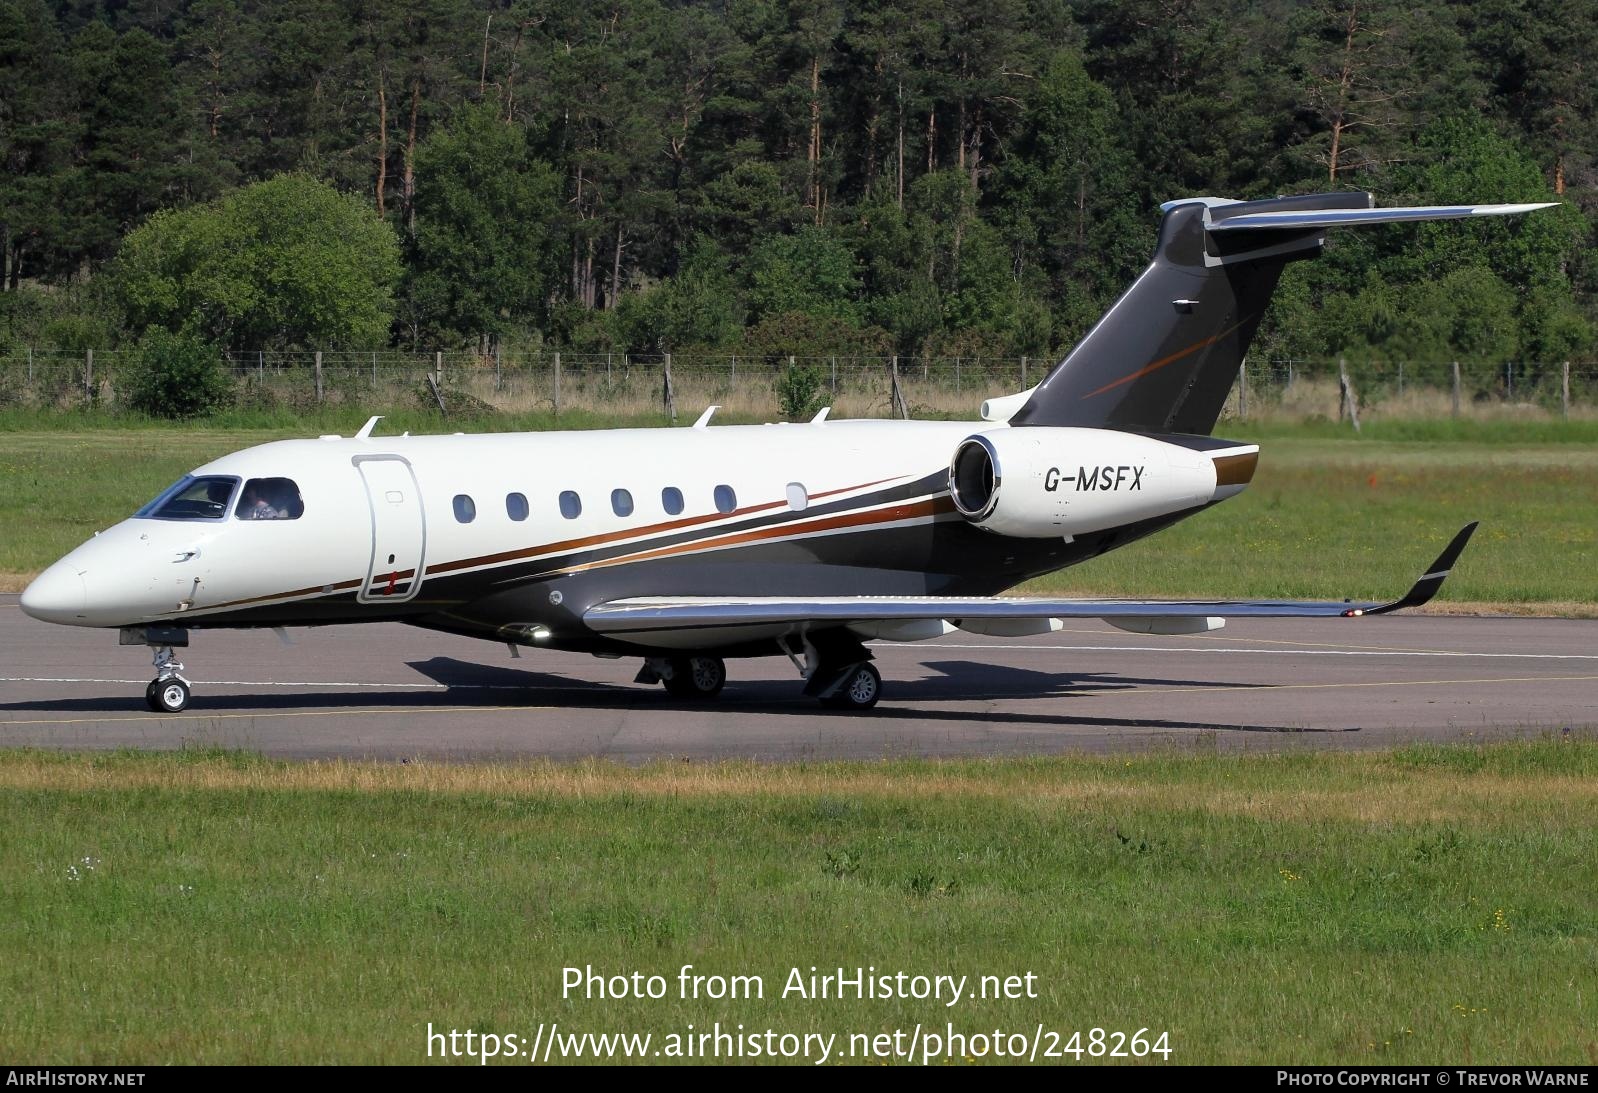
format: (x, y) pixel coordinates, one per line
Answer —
(776, 176)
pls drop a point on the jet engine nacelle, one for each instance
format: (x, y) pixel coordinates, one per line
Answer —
(1039, 482)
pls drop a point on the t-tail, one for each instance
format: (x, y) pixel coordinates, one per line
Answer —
(1164, 357)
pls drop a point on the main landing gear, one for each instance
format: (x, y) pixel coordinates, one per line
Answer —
(859, 689)
(836, 666)
(837, 670)
(693, 677)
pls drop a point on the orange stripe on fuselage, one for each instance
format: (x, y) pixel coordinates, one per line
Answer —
(930, 507)
(1163, 361)
(628, 533)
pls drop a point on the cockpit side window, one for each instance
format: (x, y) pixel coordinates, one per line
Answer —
(192, 498)
(270, 499)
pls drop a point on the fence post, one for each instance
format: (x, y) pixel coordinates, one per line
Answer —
(1456, 388)
(30, 365)
(1242, 389)
(374, 370)
(834, 377)
(88, 373)
(557, 383)
(1023, 373)
(670, 396)
(438, 369)
(260, 365)
(1509, 379)
(899, 406)
(1400, 379)
(499, 381)
(1347, 399)
(607, 371)
(1564, 391)
(735, 370)
(318, 375)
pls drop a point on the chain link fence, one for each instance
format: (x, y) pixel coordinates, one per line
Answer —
(623, 384)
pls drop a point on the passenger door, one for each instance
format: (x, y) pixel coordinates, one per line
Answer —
(399, 530)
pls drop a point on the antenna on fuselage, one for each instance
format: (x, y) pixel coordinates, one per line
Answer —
(366, 430)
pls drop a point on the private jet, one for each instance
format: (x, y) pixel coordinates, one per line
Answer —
(687, 547)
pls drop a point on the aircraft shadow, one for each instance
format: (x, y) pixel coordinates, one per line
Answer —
(468, 684)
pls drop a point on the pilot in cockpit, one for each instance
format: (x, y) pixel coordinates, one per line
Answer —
(255, 506)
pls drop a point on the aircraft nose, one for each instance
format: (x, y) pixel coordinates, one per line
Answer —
(56, 595)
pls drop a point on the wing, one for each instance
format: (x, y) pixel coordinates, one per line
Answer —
(620, 618)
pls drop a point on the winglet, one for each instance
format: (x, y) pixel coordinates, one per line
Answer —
(1426, 587)
(704, 418)
(366, 430)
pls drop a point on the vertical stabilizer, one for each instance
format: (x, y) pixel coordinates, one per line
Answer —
(1164, 357)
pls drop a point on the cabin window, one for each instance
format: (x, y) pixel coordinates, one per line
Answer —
(726, 500)
(516, 506)
(798, 496)
(671, 500)
(191, 498)
(621, 502)
(465, 509)
(269, 499)
(571, 506)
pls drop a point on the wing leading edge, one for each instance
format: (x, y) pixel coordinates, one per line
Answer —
(641, 615)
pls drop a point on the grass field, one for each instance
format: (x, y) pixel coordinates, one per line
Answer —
(1429, 905)
(1329, 518)
(1327, 515)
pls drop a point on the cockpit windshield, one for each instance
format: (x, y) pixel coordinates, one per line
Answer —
(192, 498)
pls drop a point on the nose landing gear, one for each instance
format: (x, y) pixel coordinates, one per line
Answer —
(169, 691)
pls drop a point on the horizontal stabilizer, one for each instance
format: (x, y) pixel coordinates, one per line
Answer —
(643, 615)
(1332, 218)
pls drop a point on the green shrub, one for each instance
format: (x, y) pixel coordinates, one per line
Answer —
(799, 392)
(177, 376)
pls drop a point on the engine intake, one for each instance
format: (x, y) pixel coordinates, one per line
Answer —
(974, 478)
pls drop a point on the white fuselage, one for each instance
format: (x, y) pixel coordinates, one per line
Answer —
(145, 570)
(486, 533)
